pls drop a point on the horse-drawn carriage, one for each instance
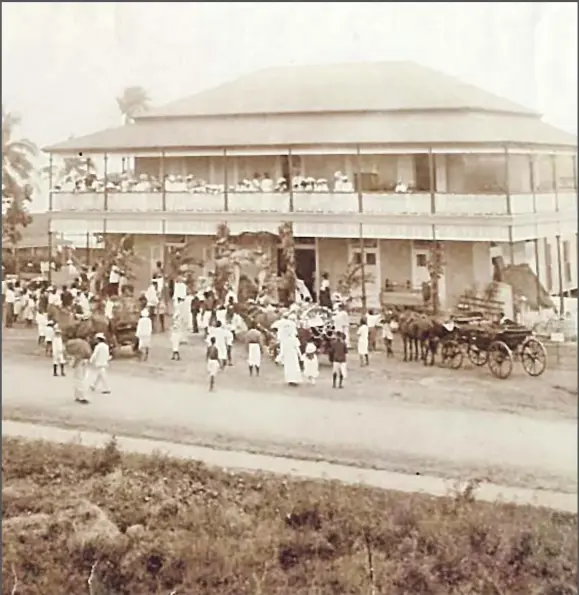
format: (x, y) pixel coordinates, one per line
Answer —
(316, 324)
(495, 345)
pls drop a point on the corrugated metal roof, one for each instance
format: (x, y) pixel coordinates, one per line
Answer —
(367, 86)
(403, 128)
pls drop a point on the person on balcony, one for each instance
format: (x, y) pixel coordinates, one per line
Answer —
(401, 187)
(347, 186)
(126, 183)
(256, 182)
(281, 185)
(338, 181)
(266, 183)
(143, 185)
(298, 183)
(321, 185)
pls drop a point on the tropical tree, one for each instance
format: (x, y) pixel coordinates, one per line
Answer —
(436, 266)
(17, 170)
(132, 102)
(289, 278)
(77, 167)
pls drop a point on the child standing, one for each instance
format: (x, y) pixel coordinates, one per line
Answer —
(387, 336)
(363, 342)
(144, 333)
(213, 364)
(229, 337)
(338, 355)
(311, 366)
(100, 359)
(57, 352)
(41, 324)
(48, 337)
(175, 338)
(161, 312)
(254, 341)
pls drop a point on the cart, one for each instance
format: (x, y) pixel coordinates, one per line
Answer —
(499, 347)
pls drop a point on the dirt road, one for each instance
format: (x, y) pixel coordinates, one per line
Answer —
(507, 449)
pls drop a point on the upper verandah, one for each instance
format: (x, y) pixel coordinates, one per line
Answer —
(358, 104)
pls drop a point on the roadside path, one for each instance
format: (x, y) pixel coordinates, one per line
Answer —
(509, 449)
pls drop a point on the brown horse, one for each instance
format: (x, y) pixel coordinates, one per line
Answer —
(422, 333)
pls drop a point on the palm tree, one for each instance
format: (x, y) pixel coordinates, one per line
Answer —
(17, 169)
(132, 102)
(17, 155)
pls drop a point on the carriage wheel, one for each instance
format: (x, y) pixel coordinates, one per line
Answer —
(452, 355)
(533, 357)
(500, 360)
(476, 356)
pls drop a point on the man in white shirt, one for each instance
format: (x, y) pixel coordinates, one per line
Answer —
(152, 298)
(114, 279)
(9, 300)
(267, 183)
(99, 360)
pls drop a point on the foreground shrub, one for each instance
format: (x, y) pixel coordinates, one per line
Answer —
(152, 525)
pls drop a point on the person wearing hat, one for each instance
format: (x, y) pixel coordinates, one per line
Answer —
(48, 337)
(57, 352)
(144, 333)
(99, 360)
(311, 365)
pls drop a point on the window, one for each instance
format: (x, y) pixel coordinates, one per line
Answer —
(421, 261)
(370, 258)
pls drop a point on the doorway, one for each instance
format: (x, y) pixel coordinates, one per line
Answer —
(306, 268)
(421, 274)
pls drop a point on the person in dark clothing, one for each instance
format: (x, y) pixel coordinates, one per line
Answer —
(66, 297)
(213, 364)
(195, 308)
(338, 355)
(325, 298)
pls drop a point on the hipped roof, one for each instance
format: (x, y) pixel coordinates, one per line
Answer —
(383, 103)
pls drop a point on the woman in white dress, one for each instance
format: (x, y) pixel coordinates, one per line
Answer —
(291, 360)
(311, 366)
(363, 342)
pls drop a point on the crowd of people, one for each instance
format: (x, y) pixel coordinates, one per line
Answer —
(191, 312)
(192, 184)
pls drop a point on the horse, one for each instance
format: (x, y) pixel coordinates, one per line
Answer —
(422, 333)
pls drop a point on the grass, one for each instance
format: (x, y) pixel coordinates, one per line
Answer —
(180, 527)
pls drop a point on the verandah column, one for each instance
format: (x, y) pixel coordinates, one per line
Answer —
(361, 227)
(558, 237)
(225, 182)
(536, 239)
(290, 180)
(106, 206)
(50, 208)
(509, 204)
(163, 209)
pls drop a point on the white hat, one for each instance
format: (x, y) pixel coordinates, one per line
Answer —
(57, 329)
(100, 336)
(144, 313)
(311, 348)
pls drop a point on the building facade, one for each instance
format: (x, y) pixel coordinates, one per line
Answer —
(379, 161)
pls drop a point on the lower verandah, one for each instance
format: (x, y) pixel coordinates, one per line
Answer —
(398, 263)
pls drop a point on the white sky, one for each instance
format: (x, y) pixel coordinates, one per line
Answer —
(63, 64)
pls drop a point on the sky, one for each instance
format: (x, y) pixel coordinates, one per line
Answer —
(63, 64)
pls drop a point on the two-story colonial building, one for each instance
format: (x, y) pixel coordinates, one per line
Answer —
(394, 153)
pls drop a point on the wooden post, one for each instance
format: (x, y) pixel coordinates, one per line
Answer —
(532, 178)
(50, 208)
(225, 182)
(555, 183)
(290, 181)
(431, 182)
(318, 280)
(162, 177)
(537, 274)
(508, 182)
(361, 229)
(106, 201)
(560, 274)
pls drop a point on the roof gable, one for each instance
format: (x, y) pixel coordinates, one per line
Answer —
(367, 86)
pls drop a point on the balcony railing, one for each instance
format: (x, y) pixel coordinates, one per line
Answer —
(314, 203)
